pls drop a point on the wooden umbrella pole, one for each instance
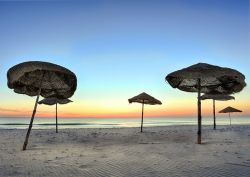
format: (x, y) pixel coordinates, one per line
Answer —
(33, 115)
(214, 115)
(142, 115)
(56, 119)
(199, 112)
(230, 118)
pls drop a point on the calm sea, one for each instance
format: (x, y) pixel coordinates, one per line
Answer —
(48, 123)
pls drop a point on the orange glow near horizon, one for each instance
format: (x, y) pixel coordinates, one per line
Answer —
(181, 104)
(175, 109)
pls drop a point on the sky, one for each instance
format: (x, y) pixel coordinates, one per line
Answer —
(119, 49)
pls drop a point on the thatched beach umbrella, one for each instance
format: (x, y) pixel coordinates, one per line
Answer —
(144, 99)
(54, 101)
(228, 110)
(35, 78)
(206, 78)
(218, 97)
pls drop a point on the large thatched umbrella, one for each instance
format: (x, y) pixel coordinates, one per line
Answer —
(206, 78)
(218, 97)
(35, 78)
(54, 101)
(228, 110)
(144, 99)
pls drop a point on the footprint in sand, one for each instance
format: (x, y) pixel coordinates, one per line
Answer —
(58, 158)
(47, 161)
(83, 166)
(104, 156)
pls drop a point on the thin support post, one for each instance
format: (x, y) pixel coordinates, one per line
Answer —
(199, 112)
(56, 120)
(142, 115)
(230, 118)
(33, 116)
(214, 115)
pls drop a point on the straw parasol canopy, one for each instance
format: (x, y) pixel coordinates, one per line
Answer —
(229, 110)
(54, 101)
(213, 79)
(217, 97)
(206, 78)
(25, 78)
(35, 78)
(144, 98)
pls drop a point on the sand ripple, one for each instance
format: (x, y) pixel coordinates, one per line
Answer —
(159, 152)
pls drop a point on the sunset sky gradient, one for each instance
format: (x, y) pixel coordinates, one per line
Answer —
(119, 49)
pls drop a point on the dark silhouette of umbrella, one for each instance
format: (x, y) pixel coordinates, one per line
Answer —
(228, 110)
(218, 97)
(54, 101)
(144, 99)
(206, 78)
(35, 78)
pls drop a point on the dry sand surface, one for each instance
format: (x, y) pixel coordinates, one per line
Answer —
(159, 151)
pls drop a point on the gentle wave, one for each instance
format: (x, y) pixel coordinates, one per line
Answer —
(49, 123)
(61, 124)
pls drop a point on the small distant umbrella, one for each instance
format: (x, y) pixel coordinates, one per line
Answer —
(35, 78)
(54, 101)
(206, 78)
(228, 110)
(217, 97)
(144, 98)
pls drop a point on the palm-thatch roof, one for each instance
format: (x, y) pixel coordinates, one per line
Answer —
(53, 100)
(206, 78)
(229, 109)
(144, 98)
(212, 79)
(35, 78)
(218, 97)
(25, 78)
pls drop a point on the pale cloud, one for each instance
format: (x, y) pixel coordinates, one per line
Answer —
(9, 110)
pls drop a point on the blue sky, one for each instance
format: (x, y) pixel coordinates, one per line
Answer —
(121, 48)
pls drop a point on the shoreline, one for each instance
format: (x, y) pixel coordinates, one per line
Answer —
(144, 127)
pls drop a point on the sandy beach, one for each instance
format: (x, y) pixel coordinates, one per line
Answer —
(159, 151)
